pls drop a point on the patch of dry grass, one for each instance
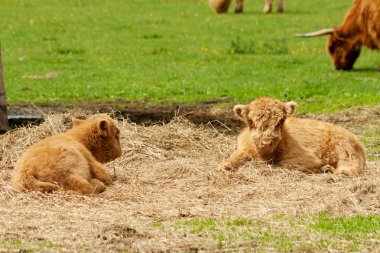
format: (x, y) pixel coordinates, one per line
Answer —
(167, 174)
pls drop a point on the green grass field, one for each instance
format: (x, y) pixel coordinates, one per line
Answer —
(287, 234)
(177, 51)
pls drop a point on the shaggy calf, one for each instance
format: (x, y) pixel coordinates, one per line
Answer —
(308, 145)
(72, 160)
(221, 6)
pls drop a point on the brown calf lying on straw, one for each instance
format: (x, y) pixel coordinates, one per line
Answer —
(302, 144)
(71, 160)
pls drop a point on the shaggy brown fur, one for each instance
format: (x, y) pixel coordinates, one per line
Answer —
(72, 160)
(361, 27)
(221, 6)
(302, 144)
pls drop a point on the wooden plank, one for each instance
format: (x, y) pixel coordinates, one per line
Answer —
(3, 104)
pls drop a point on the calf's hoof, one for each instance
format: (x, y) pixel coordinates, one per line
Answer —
(106, 179)
(226, 166)
(327, 169)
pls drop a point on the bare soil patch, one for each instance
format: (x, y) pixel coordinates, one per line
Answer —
(201, 113)
(169, 172)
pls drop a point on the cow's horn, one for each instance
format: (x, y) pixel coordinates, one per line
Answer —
(318, 33)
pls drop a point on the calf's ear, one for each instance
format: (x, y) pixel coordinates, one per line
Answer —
(290, 107)
(241, 111)
(104, 128)
(76, 122)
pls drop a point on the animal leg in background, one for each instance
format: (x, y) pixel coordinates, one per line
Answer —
(268, 6)
(239, 6)
(280, 7)
(219, 6)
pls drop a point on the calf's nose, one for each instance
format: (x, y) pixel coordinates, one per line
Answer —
(266, 142)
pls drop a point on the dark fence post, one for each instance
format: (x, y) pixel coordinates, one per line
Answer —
(3, 104)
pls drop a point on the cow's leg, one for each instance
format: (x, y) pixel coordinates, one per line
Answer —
(268, 6)
(239, 6)
(280, 7)
(219, 6)
(237, 158)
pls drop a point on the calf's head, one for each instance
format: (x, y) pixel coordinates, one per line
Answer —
(100, 135)
(264, 118)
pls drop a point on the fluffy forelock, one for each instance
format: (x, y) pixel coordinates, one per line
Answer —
(266, 112)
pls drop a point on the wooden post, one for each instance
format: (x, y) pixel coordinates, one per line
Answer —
(3, 104)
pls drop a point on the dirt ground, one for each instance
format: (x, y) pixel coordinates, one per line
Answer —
(201, 113)
(168, 173)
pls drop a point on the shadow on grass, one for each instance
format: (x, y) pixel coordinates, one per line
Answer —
(261, 13)
(369, 70)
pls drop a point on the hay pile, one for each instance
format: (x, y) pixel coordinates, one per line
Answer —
(166, 173)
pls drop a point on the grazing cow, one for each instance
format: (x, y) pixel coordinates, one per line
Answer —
(274, 136)
(221, 6)
(361, 27)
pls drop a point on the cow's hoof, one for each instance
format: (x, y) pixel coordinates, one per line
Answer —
(280, 10)
(239, 10)
(221, 11)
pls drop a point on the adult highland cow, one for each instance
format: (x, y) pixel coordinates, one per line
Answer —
(361, 27)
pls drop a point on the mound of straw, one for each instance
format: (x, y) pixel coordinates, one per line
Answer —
(167, 173)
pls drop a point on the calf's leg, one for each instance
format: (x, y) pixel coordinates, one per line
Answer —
(74, 183)
(237, 159)
(99, 172)
(349, 168)
(351, 160)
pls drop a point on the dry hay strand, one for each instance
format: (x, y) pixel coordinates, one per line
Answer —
(168, 172)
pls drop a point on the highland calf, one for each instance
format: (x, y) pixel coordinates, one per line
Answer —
(361, 27)
(221, 6)
(72, 161)
(308, 145)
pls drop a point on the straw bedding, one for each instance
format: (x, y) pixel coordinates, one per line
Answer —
(168, 172)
